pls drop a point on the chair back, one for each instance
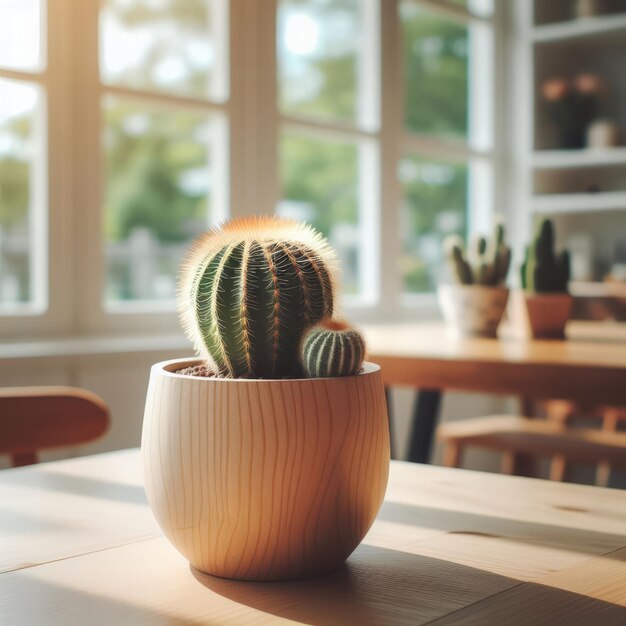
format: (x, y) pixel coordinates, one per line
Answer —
(39, 418)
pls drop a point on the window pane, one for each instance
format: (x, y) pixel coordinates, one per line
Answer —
(318, 58)
(161, 187)
(20, 156)
(165, 45)
(436, 73)
(320, 185)
(434, 206)
(20, 34)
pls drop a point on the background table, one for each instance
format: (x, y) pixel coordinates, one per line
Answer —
(590, 367)
(79, 546)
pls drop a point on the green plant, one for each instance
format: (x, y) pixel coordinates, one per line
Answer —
(544, 271)
(331, 348)
(249, 290)
(487, 262)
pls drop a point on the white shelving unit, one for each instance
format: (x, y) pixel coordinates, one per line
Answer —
(579, 202)
(583, 190)
(583, 29)
(589, 157)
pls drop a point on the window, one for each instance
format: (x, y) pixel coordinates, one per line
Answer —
(327, 56)
(445, 171)
(161, 179)
(165, 117)
(22, 159)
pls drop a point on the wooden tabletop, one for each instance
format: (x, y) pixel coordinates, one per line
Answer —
(79, 546)
(589, 366)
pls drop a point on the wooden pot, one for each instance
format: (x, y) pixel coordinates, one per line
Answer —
(548, 314)
(473, 310)
(265, 479)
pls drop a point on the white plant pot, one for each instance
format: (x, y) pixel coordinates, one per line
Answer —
(473, 310)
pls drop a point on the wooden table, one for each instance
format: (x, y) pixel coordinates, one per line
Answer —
(590, 367)
(79, 546)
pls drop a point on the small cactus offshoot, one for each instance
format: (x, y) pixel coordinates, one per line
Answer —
(486, 263)
(331, 348)
(543, 270)
(249, 290)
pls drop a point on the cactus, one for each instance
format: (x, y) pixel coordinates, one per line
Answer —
(543, 271)
(487, 262)
(332, 348)
(248, 291)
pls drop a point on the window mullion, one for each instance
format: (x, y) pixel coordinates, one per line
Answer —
(39, 77)
(57, 219)
(391, 122)
(87, 165)
(177, 101)
(368, 98)
(267, 108)
(331, 128)
(254, 121)
(426, 145)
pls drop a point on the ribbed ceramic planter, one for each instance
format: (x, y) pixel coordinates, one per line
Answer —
(473, 310)
(265, 479)
(548, 314)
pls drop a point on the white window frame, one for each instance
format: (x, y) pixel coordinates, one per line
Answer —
(254, 123)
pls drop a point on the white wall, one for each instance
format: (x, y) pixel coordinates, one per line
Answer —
(122, 379)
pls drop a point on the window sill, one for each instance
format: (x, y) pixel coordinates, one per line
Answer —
(416, 308)
(93, 345)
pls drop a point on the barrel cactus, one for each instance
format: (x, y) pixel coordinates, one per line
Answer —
(486, 263)
(248, 291)
(331, 348)
(543, 270)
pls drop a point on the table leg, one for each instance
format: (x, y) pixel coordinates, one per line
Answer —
(425, 416)
(523, 464)
(390, 418)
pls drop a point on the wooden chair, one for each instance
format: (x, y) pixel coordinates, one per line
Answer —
(555, 437)
(39, 418)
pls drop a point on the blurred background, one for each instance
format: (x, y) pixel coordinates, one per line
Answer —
(128, 127)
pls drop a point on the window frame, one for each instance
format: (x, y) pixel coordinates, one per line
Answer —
(480, 210)
(52, 211)
(73, 89)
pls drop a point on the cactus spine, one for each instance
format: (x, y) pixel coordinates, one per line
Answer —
(487, 262)
(248, 291)
(332, 348)
(544, 271)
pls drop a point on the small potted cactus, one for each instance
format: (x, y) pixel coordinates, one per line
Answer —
(265, 458)
(545, 275)
(475, 303)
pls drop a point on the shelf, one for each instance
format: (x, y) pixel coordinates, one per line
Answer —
(588, 289)
(589, 157)
(588, 28)
(579, 202)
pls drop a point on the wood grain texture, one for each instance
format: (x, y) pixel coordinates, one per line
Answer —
(265, 479)
(591, 592)
(39, 418)
(63, 509)
(456, 545)
(590, 367)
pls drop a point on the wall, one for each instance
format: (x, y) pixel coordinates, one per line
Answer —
(122, 379)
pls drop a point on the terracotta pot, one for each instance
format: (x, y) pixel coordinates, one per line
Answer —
(265, 479)
(473, 310)
(548, 314)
